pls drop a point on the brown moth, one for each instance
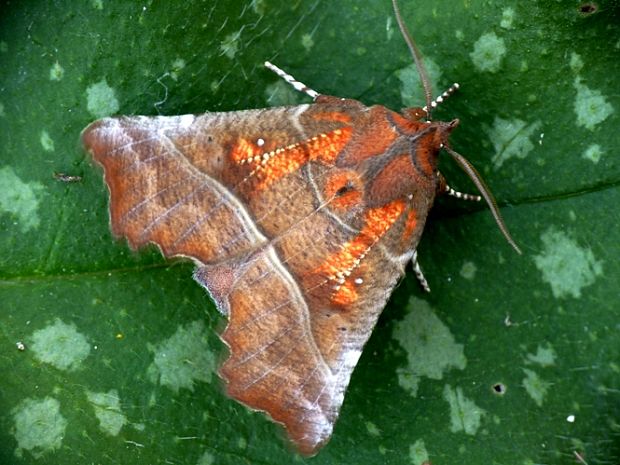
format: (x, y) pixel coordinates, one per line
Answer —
(300, 220)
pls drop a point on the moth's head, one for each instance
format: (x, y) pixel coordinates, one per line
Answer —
(443, 130)
(425, 139)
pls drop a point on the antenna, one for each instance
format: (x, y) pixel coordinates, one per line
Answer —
(486, 193)
(417, 58)
(460, 159)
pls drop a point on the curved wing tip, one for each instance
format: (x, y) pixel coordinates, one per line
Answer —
(310, 449)
(94, 137)
(306, 441)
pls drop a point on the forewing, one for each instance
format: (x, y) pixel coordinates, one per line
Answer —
(293, 345)
(179, 182)
(283, 240)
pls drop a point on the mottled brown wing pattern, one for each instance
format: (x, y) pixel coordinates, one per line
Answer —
(293, 238)
(159, 195)
(293, 348)
(164, 171)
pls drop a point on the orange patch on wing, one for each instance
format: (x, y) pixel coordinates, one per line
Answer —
(280, 162)
(346, 294)
(347, 201)
(410, 224)
(332, 116)
(339, 266)
(245, 152)
(380, 220)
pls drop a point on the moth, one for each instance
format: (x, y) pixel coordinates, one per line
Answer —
(300, 220)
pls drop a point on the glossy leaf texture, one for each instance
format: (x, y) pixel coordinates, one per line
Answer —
(510, 360)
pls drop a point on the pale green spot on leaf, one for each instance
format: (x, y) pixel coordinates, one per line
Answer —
(177, 66)
(60, 345)
(465, 415)
(544, 356)
(576, 63)
(46, 141)
(230, 44)
(488, 52)
(56, 72)
(590, 106)
(259, 7)
(468, 270)
(566, 266)
(418, 455)
(182, 359)
(19, 199)
(281, 93)
(307, 42)
(206, 459)
(389, 28)
(39, 427)
(511, 139)
(593, 153)
(108, 411)
(138, 426)
(101, 99)
(214, 86)
(372, 429)
(535, 386)
(508, 16)
(411, 90)
(572, 215)
(429, 344)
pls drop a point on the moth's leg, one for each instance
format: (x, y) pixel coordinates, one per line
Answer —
(444, 188)
(435, 103)
(418, 272)
(297, 85)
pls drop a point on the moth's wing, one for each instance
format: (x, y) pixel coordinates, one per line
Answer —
(254, 198)
(302, 307)
(179, 182)
(290, 357)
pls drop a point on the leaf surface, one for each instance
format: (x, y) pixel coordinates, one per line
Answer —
(510, 360)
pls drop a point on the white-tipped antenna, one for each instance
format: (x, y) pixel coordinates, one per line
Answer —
(417, 58)
(299, 86)
(439, 100)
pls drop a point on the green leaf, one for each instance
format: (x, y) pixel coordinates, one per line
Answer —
(510, 360)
